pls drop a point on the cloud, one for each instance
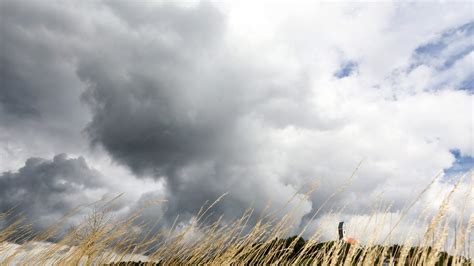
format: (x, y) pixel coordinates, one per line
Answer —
(170, 112)
(44, 191)
(209, 98)
(40, 111)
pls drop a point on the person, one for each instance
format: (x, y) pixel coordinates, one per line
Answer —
(343, 237)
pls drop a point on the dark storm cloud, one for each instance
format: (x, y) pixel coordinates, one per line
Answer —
(171, 100)
(144, 112)
(33, 72)
(177, 94)
(45, 190)
(39, 90)
(15, 99)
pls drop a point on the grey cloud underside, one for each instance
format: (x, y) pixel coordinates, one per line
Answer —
(45, 190)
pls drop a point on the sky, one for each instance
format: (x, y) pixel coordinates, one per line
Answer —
(188, 100)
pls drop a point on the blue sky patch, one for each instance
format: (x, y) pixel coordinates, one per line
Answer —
(461, 165)
(346, 69)
(438, 48)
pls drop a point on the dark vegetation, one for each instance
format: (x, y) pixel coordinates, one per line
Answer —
(295, 250)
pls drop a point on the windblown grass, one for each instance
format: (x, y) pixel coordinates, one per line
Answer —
(102, 240)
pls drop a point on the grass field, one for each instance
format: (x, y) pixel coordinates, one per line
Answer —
(102, 240)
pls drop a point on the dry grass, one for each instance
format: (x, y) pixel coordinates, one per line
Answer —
(102, 240)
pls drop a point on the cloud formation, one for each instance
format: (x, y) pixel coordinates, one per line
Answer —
(45, 190)
(211, 98)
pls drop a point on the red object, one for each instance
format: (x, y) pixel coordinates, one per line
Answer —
(350, 240)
